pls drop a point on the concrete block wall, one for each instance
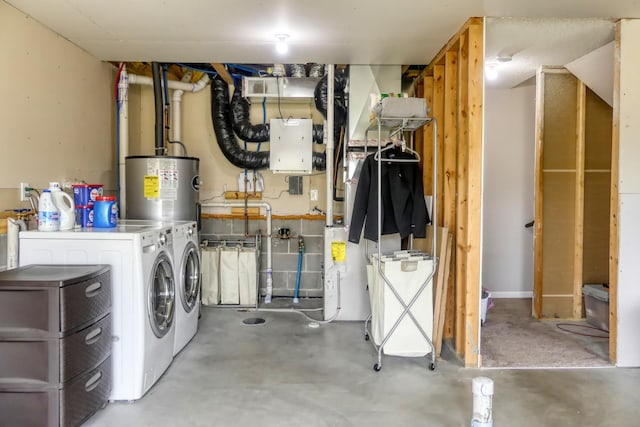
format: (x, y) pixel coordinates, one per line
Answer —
(285, 252)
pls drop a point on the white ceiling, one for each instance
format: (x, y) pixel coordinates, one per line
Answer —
(330, 31)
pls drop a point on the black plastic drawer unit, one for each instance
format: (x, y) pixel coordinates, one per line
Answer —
(55, 344)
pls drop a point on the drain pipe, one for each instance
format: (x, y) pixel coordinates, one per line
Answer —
(14, 227)
(267, 208)
(176, 116)
(329, 149)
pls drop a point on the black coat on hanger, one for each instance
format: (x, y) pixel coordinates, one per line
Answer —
(403, 207)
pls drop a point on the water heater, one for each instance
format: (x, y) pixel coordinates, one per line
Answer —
(162, 188)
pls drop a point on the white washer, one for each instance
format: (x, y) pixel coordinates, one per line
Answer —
(188, 280)
(143, 293)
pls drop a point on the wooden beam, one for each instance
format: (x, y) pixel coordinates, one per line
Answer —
(222, 71)
(461, 191)
(426, 137)
(240, 195)
(474, 191)
(447, 91)
(438, 115)
(539, 197)
(451, 46)
(578, 249)
(614, 229)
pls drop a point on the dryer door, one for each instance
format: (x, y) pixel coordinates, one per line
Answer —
(162, 296)
(191, 277)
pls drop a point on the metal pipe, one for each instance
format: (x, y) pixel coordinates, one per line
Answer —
(330, 141)
(267, 207)
(14, 226)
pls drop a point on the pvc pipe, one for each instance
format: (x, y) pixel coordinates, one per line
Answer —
(14, 226)
(328, 131)
(187, 87)
(123, 138)
(267, 207)
(176, 114)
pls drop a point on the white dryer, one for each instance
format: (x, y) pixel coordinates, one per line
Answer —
(188, 281)
(143, 293)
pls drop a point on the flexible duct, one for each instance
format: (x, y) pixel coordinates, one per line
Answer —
(340, 103)
(223, 128)
(157, 98)
(240, 118)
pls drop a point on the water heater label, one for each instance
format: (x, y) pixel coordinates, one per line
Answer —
(338, 251)
(151, 186)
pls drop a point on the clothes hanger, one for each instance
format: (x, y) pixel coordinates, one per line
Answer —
(399, 144)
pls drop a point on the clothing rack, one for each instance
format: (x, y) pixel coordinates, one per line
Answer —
(395, 126)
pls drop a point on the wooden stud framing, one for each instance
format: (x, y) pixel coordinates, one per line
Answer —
(440, 114)
(474, 192)
(425, 136)
(538, 209)
(614, 230)
(457, 73)
(461, 190)
(579, 201)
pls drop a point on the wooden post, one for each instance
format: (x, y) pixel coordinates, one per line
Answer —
(579, 201)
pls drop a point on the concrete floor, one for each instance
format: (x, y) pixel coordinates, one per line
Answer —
(284, 373)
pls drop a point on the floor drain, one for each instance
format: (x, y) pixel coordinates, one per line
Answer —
(253, 321)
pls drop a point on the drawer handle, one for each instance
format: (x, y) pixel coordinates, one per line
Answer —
(149, 249)
(93, 382)
(93, 336)
(93, 290)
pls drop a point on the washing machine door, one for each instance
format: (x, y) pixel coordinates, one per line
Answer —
(191, 277)
(162, 296)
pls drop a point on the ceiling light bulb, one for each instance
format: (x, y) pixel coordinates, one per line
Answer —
(281, 45)
(491, 73)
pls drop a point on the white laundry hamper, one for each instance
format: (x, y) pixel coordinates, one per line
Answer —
(407, 273)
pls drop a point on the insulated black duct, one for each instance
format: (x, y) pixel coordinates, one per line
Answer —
(223, 127)
(240, 120)
(158, 103)
(240, 117)
(340, 102)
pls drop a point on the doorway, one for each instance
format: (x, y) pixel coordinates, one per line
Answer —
(513, 336)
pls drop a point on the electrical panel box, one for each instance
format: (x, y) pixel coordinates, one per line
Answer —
(291, 146)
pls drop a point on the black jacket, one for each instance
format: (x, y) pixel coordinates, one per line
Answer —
(403, 208)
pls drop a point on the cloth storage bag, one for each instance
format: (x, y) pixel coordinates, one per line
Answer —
(210, 276)
(406, 274)
(247, 276)
(229, 289)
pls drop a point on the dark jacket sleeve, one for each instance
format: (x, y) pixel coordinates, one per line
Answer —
(420, 215)
(361, 202)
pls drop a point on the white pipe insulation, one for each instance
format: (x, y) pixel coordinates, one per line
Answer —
(123, 117)
(267, 208)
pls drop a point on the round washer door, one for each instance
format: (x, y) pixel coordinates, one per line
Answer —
(191, 277)
(162, 296)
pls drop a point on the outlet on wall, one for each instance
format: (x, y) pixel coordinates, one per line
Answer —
(24, 192)
(313, 194)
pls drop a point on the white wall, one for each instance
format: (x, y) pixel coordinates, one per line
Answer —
(628, 114)
(57, 110)
(508, 191)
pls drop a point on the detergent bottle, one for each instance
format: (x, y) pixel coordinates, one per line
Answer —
(48, 214)
(65, 205)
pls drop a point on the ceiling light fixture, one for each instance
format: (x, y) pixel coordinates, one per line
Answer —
(491, 71)
(281, 45)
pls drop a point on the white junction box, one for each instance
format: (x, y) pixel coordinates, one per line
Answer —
(291, 146)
